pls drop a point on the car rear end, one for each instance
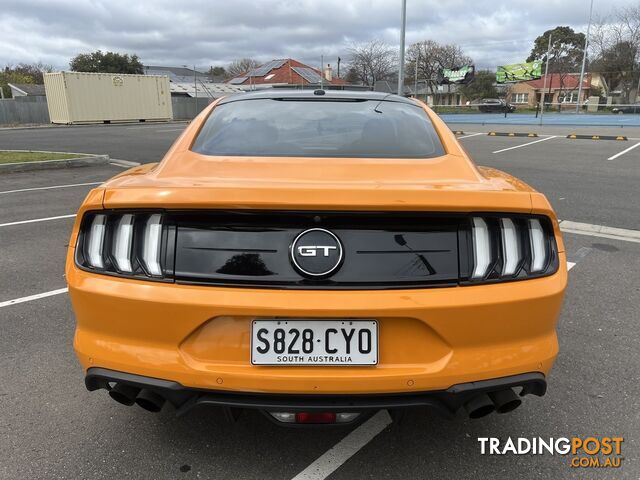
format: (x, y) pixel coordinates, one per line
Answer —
(317, 291)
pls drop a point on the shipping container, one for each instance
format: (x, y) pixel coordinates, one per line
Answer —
(79, 97)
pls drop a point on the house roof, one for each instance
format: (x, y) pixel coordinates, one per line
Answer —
(175, 74)
(205, 89)
(285, 71)
(565, 81)
(28, 89)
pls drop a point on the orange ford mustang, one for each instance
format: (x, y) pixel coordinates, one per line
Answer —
(317, 255)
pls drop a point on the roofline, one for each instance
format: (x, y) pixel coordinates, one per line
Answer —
(12, 86)
(310, 95)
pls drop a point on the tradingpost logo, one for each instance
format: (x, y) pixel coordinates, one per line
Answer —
(583, 452)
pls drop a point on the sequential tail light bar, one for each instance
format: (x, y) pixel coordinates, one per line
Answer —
(128, 244)
(144, 244)
(510, 248)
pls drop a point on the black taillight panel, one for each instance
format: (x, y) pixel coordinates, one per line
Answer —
(253, 248)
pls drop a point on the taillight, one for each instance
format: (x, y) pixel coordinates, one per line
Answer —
(130, 244)
(509, 247)
(123, 240)
(151, 245)
(95, 241)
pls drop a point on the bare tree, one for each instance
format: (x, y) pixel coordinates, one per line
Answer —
(615, 49)
(430, 57)
(241, 66)
(371, 62)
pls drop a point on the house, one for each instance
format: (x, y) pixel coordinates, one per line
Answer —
(287, 72)
(26, 90)
(560, 88)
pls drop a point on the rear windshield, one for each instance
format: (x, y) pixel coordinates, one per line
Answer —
(319, 128)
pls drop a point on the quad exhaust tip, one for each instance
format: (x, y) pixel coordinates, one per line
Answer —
(479, 406)
(128, 395)
(502, 401)
(505, 400)
(150, 401)
(124, 394)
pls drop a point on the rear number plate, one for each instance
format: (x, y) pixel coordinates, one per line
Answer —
(314, 342)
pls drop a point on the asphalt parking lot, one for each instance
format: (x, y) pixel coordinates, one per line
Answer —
(51, 427)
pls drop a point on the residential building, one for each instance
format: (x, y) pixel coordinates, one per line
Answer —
(26, 90)
(287, 72)
(560, 89)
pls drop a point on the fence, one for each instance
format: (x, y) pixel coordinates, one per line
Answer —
(186, 108)
(26, 110)
(23, 110)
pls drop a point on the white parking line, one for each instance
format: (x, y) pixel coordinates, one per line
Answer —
(570, 265)
(470, 135)
(331, 460)
(33, 297)
(52, 187)
(602, 231)
(170, 130)
(34, 220)
(526, 144)
(623, 152)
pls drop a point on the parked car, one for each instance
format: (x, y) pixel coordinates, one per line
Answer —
(633, 108)
(495, 105)
(317, 256)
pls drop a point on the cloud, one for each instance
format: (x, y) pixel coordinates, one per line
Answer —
(215, 32)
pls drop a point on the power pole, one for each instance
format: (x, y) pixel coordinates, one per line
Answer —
(584, 59)
(546, 72)
(402, 35)
(195, 86)
(415, 80)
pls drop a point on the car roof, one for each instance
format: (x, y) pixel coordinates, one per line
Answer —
(309, 95)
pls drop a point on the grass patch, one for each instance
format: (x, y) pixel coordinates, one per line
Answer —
(20, 157)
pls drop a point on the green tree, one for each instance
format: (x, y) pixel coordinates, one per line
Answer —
(482, 86)
(566, 50)
(109, 62)
(565, 54)
(216, 73)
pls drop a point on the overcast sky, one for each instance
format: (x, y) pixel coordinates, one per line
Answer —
(214, 32)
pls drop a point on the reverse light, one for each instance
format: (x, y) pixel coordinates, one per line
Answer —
(538, 248)
(510, 246)
(151, 245)
(481, 248)
(123, 238)
(96, 241)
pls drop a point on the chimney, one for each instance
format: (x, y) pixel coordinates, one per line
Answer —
(328, 73)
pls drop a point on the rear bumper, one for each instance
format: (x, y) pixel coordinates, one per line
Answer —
(429, 339)
(445, 402)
